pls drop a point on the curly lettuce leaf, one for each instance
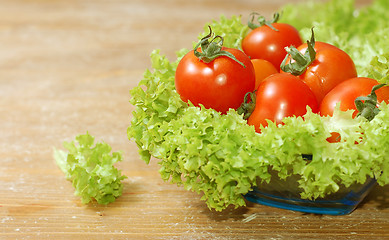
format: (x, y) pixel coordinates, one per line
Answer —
(222, 158)
(301, 15)
(379, 68)
(231, 29)
(90, 168)
(200, 154)
(376, 145)
(156, 102)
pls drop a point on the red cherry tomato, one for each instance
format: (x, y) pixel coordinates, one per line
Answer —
(330, 67)
(220, 84)
(278, 96)
(269, 44)
(346, 92)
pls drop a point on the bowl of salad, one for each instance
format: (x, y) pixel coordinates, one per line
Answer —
(304, 131)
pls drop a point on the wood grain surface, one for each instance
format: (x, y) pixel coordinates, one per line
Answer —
(66, 67)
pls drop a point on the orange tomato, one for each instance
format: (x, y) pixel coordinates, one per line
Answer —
(263, 69)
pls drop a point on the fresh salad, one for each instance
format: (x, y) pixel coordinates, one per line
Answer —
(259, 97)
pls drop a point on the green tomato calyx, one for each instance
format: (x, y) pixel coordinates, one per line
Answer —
(211, 48)
(367, 106)
(248, 105)
(299, 62)
(262, 21)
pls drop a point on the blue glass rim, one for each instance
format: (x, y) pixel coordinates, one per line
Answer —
(328, 206)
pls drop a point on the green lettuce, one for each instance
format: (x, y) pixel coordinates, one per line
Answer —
(233, 30)
(156, 102)
(90, 169)
(223, 158)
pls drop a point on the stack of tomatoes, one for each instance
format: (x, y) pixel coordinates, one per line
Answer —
(275, 76)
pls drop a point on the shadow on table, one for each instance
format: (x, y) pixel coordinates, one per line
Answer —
(227, 214)
(236, 214)
(379, 196)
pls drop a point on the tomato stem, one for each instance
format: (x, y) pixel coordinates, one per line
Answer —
(367, 106)
(248, 105)
(262, 21)
(298, 62)
(211, 48)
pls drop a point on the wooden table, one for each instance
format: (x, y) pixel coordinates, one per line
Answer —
(66, 67)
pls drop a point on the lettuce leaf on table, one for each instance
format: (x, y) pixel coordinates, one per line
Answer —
(90, 168)
(221, 157)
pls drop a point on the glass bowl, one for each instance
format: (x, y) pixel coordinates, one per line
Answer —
(285, 194)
